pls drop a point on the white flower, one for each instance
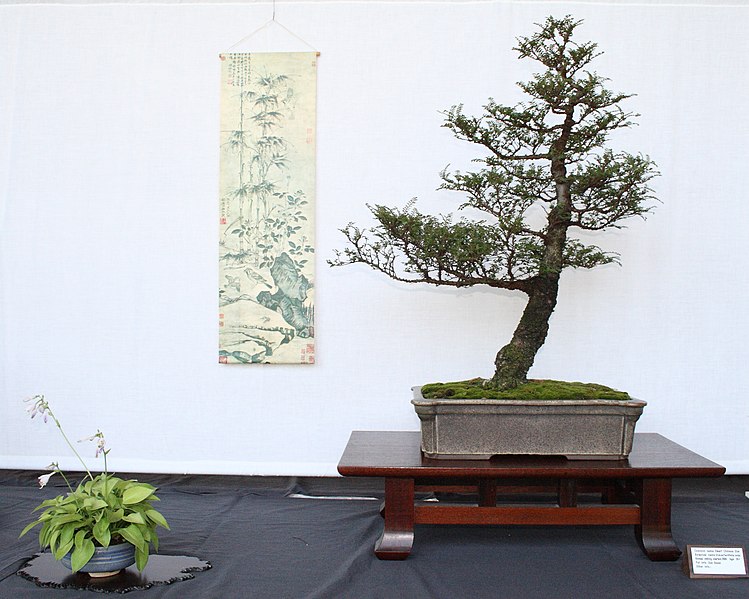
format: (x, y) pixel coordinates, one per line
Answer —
(44, 479)
(100, 442)
(38, 405)
(100, 446)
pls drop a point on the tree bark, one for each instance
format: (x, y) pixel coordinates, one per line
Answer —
(515, 359)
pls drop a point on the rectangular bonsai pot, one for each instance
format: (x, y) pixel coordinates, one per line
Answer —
(593, 429)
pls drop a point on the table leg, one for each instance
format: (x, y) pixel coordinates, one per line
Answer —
(487, 492)
(567, 492)
(398, 534)
(653, 495)
(617, 491)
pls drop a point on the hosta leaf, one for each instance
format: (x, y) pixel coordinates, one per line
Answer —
(101, 532)
(135, 518)
(28, 528)
(81, 555)
(136, 495)
(44, 534)
(68, 518)
(133, 536)
(156, 517)
(93, 503)
(141, 558)
(45, 503)
(146, 531)
(67, 533)
(53, 538)
(116, 515)
(80, 538)
(63, 549)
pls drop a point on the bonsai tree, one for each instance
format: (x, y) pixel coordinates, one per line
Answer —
(548, 151)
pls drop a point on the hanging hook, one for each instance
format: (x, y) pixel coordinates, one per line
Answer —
(268, 24)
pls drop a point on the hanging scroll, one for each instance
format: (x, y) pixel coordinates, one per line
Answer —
(266, 220)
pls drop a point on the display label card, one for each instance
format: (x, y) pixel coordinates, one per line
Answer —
(716, 561)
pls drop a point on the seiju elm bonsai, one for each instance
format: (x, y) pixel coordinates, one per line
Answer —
(548, 151)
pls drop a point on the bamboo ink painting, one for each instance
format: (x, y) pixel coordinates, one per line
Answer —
(266, 216)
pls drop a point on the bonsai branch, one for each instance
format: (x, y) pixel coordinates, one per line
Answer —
(549, 153)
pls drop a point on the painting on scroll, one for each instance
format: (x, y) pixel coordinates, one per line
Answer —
(266, 217)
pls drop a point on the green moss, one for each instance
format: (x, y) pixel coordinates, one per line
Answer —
(533, 389)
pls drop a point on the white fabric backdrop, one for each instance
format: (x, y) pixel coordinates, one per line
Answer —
(108, 264)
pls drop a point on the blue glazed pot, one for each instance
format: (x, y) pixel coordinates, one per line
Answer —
(106, 561)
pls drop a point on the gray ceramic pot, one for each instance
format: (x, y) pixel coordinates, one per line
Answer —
(481, 428)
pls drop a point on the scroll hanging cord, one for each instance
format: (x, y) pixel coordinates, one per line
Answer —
(270, 23)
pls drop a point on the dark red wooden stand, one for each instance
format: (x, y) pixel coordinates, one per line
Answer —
(636, 491)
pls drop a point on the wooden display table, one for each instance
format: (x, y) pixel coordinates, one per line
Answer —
(636, 491)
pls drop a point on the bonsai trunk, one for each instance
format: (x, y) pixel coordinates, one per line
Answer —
(515, 359)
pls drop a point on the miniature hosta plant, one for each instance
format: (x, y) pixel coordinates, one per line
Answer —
(546, 173)
(102, 510)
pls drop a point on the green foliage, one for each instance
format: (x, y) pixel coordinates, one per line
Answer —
(546, 152)
(101, 511)
(545, 156)
(532, 390)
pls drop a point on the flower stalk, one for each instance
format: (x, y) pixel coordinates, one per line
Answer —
(41, 406)
(102, 510)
